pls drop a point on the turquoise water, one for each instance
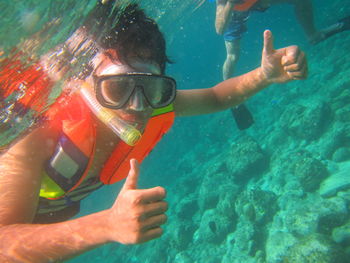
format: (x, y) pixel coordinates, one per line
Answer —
(277, 192)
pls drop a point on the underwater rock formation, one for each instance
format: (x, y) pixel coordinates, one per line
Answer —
(306, 123)
(333, 139)
(315, 248)
(183, 257)
(187, 208)
(309, 171)
(340, 103)
(341, 154)
(255, 209)
(342, 234)
(247, 159)
(337, 181)
(256, 205)
(214, 227)
(277, 244)
(182, 235)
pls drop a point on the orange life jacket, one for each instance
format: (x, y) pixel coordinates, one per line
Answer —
(245, 5)
(29, 79)
(24, 95)
(77, 142)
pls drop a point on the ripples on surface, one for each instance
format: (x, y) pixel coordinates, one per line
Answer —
(33, 28)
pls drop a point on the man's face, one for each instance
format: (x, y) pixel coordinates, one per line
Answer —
(136, 111)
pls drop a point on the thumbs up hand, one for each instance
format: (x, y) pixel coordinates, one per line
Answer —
(137, 214)
(282, 65)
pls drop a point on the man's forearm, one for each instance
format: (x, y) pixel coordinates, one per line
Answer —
(236, 90)
(224, 95)
(52, 242)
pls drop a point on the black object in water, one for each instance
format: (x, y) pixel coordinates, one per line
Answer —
(243, 117)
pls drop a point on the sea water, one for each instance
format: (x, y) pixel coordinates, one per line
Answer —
(276, 192)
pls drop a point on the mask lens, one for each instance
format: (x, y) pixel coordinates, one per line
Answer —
(115, 91)
(159, 91)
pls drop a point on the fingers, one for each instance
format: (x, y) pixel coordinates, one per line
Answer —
(151, 227)
(268, 42)
(300, 74)
(151, 195)
(151, 234)
(291, 55)
(154, 222)
(294, 63)
(133, 176)
(156, 208)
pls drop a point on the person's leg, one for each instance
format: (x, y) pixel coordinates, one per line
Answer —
(232, 37)
(305, 16)
(232, 56)
(241, 114)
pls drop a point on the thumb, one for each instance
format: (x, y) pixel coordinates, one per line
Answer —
(133, 176)
(268, 42)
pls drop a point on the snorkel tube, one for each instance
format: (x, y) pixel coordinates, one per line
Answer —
(129, 134)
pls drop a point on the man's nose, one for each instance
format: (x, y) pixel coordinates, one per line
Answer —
(138, 102)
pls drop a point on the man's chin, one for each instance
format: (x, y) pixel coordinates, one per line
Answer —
(137, 124)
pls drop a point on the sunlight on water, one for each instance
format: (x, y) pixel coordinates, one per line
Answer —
(276, 192)
(31, 29)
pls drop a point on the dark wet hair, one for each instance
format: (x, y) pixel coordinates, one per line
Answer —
(128, 31)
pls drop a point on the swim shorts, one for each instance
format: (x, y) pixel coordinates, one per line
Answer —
(236, 26)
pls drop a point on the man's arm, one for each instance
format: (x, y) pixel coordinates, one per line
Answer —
(135, 217)
(224, 9)
(52, 242)
(277, 66)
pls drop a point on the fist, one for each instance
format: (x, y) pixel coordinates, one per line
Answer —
(282, 65)
(137, 214)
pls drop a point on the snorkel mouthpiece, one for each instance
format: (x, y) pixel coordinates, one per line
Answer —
(126, 132)
(129, 134)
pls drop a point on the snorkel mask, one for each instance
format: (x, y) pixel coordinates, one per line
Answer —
(113, 91)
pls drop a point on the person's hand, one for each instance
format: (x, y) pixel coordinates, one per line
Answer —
(137, 214)
(282, 65)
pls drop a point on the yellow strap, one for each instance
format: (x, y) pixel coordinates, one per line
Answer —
(49, 189)
(163, 110)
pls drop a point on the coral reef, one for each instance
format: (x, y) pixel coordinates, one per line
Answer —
(256, 205)
(309, 170)
(306, 122)
(315, 248)
(246, 159)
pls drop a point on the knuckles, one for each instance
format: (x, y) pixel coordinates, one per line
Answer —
(164, 206)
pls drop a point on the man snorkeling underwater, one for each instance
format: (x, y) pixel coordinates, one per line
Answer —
(99, 134)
